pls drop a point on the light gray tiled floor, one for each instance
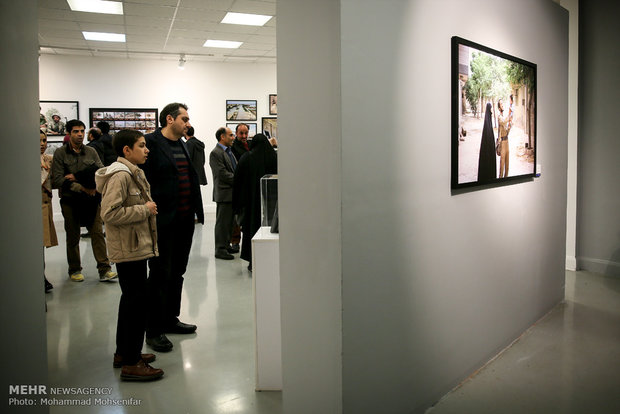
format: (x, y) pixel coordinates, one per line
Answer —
(211, 371)
(569, 362)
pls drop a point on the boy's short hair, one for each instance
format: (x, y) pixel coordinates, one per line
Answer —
(125, 137)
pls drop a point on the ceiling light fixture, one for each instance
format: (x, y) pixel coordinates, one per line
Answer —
(181, 61)
(96, 6)
(246, 19)
(104, 37)
(227, 44)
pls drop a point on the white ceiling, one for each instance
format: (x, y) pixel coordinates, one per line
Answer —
(160, 29)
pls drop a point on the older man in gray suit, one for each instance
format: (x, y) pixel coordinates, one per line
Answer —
(223, 164)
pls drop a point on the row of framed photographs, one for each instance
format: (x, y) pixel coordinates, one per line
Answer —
(246, 110)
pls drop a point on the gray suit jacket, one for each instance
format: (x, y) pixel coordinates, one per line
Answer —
(223, 175)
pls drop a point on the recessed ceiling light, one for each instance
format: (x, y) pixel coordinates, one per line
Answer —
(222, 43)
(246, 19)
(104, 37)
(96, 6)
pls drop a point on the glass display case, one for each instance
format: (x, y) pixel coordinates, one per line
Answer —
(268, 198)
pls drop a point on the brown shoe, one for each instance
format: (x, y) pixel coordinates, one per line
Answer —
(140, 372)
(118, 359)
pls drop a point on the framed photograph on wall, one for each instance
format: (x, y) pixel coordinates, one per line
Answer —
(252, 127)
(239, 110)
(54, 115)
(270, 127)
(493, 116)
(142, 119)
(273, 104)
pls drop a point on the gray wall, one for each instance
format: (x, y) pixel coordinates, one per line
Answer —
(598, 205)
(310, 202)
(24, 345)
(433, 284)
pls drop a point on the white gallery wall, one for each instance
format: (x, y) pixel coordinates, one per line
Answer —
(143, 83)
(431, 283)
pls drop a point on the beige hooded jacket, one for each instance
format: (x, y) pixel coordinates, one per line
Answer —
(131, 230)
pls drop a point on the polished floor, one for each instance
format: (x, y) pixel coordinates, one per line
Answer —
(569, 362)
(211, 371)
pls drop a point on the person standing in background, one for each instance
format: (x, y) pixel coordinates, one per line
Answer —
(73, 173)
(223, 164)
(49, 230)
(196, 151)
(109, 155)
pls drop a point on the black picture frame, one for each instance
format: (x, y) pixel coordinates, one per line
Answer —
(273, 104)
(481, 76)
(269, 126)
(239, 110)
(252, 125)
(144, 120)
(67, 110)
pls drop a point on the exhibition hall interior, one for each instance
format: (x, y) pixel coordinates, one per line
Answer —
(440, 234)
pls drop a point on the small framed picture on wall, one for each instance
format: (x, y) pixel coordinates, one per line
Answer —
(241, 110)
(273, 104)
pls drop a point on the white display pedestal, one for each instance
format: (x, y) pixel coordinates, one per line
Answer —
(266, 287)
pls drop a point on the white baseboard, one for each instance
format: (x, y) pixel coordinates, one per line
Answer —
(571, 263)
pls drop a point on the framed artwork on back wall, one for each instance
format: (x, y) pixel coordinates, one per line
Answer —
(241, 110)
(54, 116)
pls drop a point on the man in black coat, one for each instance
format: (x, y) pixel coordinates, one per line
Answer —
(175, 190)
(196, 150)
(109, 155)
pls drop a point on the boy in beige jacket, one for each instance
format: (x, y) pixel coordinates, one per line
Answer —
(129, 215)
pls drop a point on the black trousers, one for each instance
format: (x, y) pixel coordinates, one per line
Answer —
(131, 310)
(165, 283)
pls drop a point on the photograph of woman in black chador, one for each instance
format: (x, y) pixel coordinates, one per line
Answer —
(486, 160)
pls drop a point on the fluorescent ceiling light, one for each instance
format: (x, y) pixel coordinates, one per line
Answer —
(96, 6)
(246, 19)
(104, 37)
(222, 43)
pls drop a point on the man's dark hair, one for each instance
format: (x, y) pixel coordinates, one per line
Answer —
(190, 131)
(95, 132)
(125, 137)
(172, 109)
(218, 134)
(238, 125)
(72, 124)
(103, 126)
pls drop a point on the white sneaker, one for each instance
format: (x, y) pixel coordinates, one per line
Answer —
(108, 276)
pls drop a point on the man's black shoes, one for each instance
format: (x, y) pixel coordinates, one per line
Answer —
(181, 328)
(233, 248)
(159, 343)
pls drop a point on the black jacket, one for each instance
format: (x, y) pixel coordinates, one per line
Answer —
(196, 150)
(162, 174)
